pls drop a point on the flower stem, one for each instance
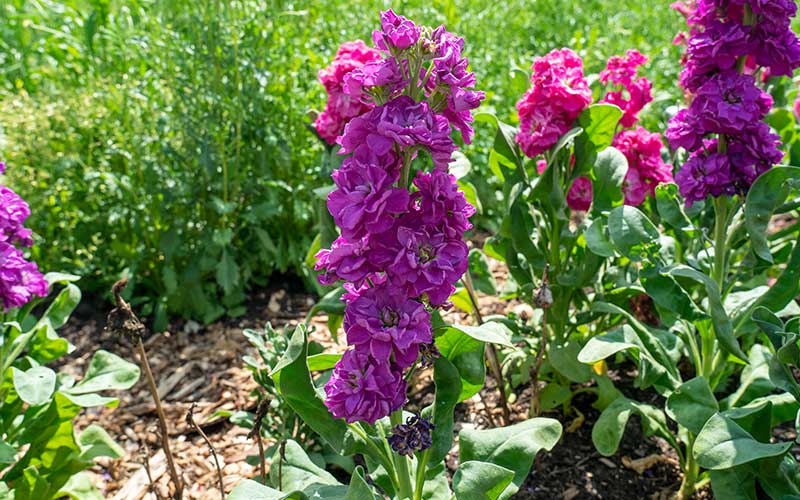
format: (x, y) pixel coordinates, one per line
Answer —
(404, 488)
(690, 472)
(421, 466)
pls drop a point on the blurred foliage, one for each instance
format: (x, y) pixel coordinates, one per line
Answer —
(167, 140)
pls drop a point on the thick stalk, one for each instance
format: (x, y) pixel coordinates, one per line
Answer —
(404, 490)
(381, 456)
(721, 208)
(491, 353)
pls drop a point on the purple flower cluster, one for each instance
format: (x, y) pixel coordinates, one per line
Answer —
(20, 280)
(401, 248)
(723, 128)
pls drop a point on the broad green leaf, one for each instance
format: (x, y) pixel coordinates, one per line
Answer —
(785, 289)
(513, 447)
(490, 332)
(467, 355)
(597, 238)
(554, 395)
(723, 328)
(95, 442)
(692, 404)
(604, 346)
(765, 195)
(248, 489)
(80, 487)
(436, 486)
(66, 301)
(723, 444)
(670, 206)
(610, 426)
(106, 371)
(46, 345)
(323, 362)
(608, 175)
(667, 293)
(36, 385)
(294, 381)
(733, 484)
(754, 380)
(8, 454)
(297, 470)
(448, 389)
(482, 277)
(564, 359)
(599, 122)
(481, 481)
(331, 303)
(634, 235)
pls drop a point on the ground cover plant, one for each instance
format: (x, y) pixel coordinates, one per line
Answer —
(514, 236)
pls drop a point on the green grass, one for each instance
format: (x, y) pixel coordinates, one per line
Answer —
(168, 141)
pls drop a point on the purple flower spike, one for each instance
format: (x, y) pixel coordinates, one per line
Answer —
(398, 31)
(20, 280)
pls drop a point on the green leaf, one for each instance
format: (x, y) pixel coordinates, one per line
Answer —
(765, 195)
(692, 404)
(482, 277)
(490, 332)
(607, 178)
(59, 310)
(293, 379)
(323, 362)
(8, 454)
(723, 444)
(604, 346)
(723, 328)
(448, 389)
(467, 355)
(564, 360)
(733, 484)
(553, 396)
(248, 489)
(95, 442)
(35, 386)
(297, 470)
(754, 380)
(610, 426)
(634, 235)
(481, 481)
(599, 122)
(80, 487)
(359, 489)
(227, 273)
(597, 238)
(46, 345)
(106, 372)
(669, 294)
(513, 447)
(331, 303)
(670, 206)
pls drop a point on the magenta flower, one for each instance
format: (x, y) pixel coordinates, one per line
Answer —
(366, 201)
(385, 323)
(362, 390)
(635, 93)
(558, 96)
(345, 260)
(20, 280)
(13, 213)
(579, 196)
(729, 103)
(646, 168)
(341, 106)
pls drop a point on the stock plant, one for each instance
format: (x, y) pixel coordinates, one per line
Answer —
(706, 269)
(400, 253)
(41, 454)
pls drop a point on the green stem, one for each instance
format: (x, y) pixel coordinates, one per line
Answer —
(404, 488)
(690, 472)
(721, 207)
(382, 457)
(421, 466)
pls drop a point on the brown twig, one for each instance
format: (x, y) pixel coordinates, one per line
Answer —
(544, 299)
(281, 458)
(146, 462)
(192, 424)
(255, 433)
(491, 353)
(123, 320)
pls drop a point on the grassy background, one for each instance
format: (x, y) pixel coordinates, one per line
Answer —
(167, 141)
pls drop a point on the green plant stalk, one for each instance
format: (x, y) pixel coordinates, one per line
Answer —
(404, 490)
(422, 464)
(691, 471)
(380, 455)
